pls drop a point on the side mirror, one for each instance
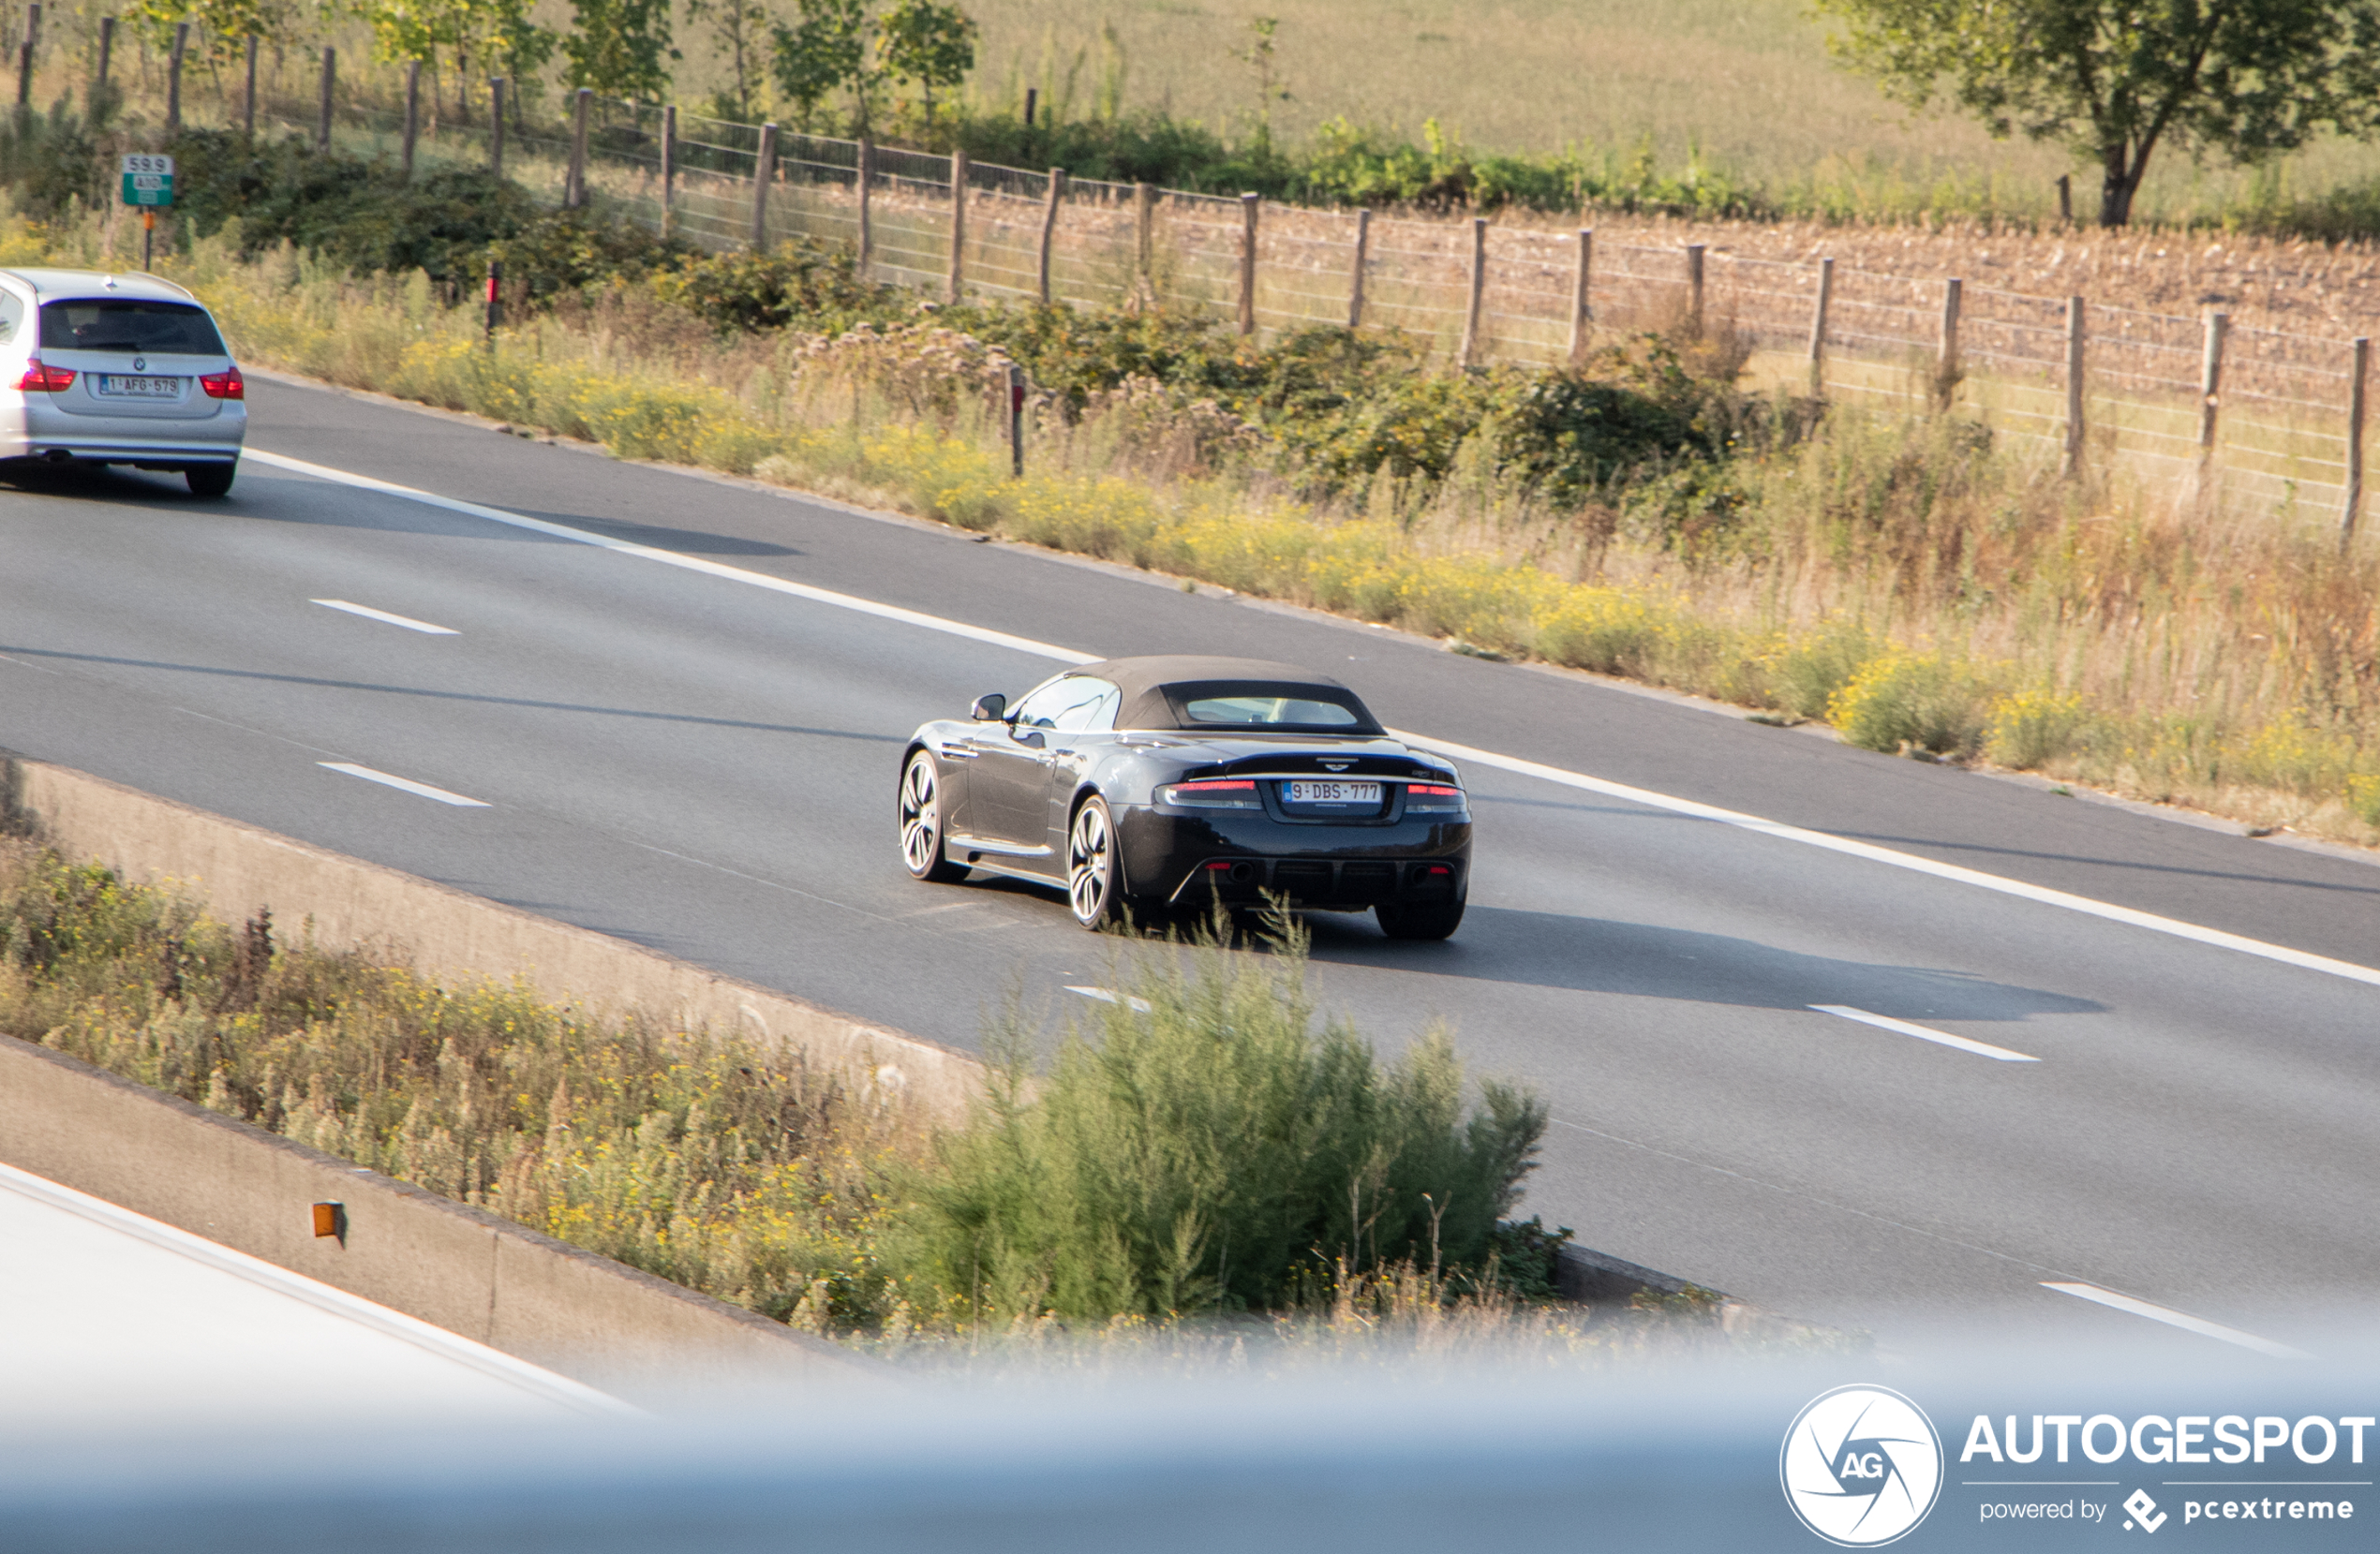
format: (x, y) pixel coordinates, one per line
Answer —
(988, 709)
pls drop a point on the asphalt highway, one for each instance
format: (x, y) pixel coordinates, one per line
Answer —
(696, 763)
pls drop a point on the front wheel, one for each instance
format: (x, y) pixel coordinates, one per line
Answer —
(210, 479)
(1094, 880)
(921, 824)
(1420, 918)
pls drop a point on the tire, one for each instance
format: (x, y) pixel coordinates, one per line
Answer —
(1095, 877)
(210, 479)
(1420, 918)
(920, 812)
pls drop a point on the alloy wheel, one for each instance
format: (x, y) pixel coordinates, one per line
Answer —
(1091, 868)
(920, 818)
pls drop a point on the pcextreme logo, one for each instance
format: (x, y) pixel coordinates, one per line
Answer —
(1861, 1465)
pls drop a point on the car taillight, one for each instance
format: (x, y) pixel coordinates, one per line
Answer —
(224, 385)
(48, 380)
(1212, 795)
(1432, 795)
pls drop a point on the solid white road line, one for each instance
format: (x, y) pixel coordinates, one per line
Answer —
(1844, 845)
(423, 789)
(1885, 1022)
(1910, 861)
(670, 559)
(369, 614)
(1109, 995)
(2172, 1318)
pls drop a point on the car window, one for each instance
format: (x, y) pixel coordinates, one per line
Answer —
(1067, 705)
(1268, 709)
(123, 323)
(11, 315)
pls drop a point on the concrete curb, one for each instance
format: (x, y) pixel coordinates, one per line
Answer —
(456, 1267)
(239, 870)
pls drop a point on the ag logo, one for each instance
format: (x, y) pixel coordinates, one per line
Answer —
(1862, 1465)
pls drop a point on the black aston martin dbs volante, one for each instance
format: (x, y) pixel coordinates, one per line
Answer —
(1146, 784)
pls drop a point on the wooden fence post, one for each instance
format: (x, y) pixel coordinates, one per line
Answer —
(764, 175)
(1468, 352)
(24, 55)
(2074, 388)
(957, 288)
(574, 181)
(412, 107)
(1695, 290)
(1818, 329)
(1354, 271)
(248, 98)
(1050, 225)
(173, 78)
(1248, 206)
(669, 168)
(2066, 199)
(330, 81)
(1946, 373)
(2356, 373)
(2217, 327)
(1144, 207)
(866, 185)
(496, 126)
(1016, 421)
(1582, 308)
(107, 51)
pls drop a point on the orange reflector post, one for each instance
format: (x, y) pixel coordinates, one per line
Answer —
(330, 1220)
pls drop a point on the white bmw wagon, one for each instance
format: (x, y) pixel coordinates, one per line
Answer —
(100, 369)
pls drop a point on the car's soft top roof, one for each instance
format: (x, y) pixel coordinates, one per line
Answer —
(1144, 683)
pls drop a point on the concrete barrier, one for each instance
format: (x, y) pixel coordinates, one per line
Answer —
(456, 1267)
(238, 869)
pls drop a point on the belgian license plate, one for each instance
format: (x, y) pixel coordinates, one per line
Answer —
(123, 386)
(1334, 792)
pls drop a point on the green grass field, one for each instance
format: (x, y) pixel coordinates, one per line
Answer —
(1748, 82)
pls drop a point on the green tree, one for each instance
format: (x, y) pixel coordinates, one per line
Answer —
(931, 44)
(219, 29)
(2118, 79)
(620, 47)
(826, 50)
(735, 37)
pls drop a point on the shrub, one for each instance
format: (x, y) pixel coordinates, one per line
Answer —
(1200, 1153)
(2033, 728)
(1806, 675)
(806, 282)
(1914, 700)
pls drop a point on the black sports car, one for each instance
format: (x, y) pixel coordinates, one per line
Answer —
(1149, 784)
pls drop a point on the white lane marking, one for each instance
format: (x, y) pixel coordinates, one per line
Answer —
(1910, 861)
(407, 784)
(1885, 1022)
(369, 614)
(1844, 845)
(2172, 1318)
(672, 558)
(1109, 995)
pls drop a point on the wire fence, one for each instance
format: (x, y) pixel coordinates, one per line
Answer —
(2239, 416)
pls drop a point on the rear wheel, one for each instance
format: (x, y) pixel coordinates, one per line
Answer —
(210, 479)
(1094, 880)
(1420, 918)
(921, 823)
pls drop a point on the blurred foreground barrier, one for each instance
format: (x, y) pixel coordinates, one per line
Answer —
(1610, 1455)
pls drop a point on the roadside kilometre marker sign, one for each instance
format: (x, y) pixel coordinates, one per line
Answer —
(148, 179)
